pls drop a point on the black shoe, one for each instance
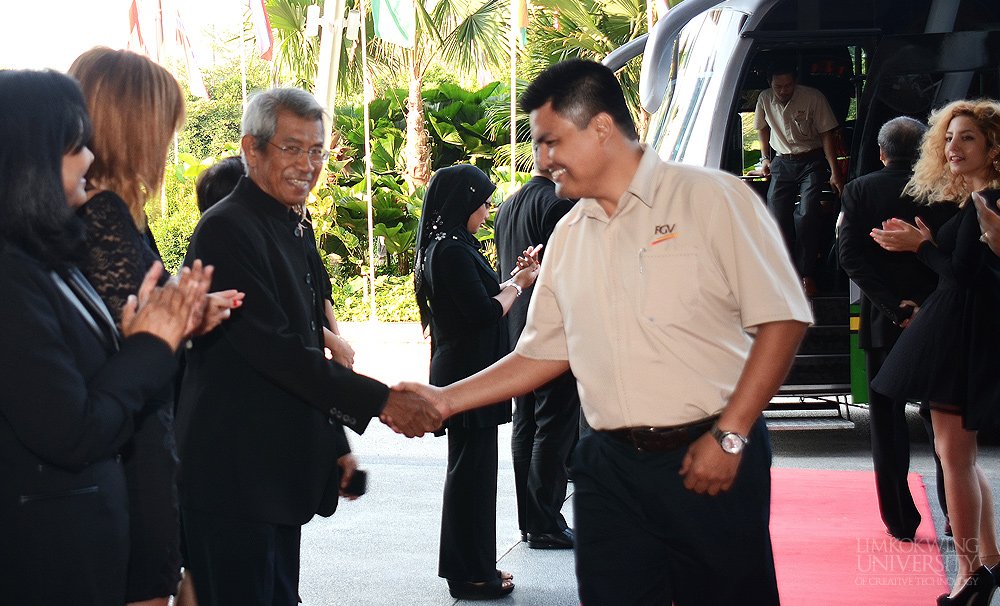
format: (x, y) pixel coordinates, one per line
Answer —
(493, 589)
(524, 537)
(563, 539)
(906, 537)
(977, 591)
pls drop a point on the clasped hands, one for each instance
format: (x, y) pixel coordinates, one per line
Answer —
(414, 409)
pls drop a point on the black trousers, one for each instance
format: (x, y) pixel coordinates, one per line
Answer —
(801, 182)
(644, 539)
(468, 550)
(890, 438)
(546, 423)
(238, 562)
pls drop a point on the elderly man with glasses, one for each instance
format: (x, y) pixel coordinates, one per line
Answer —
(262, 411)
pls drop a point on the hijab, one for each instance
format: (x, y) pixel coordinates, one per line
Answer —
(453, 194)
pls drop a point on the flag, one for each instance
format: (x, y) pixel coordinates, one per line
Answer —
(135, 41)
(395, 21)
(520, 11)
(195, 81)
(262, 29)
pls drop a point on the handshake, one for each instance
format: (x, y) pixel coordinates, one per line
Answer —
(414, 409)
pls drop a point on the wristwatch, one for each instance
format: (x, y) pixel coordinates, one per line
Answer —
(730, 441)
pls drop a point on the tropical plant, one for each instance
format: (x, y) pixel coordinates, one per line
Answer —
(464, 36)
(295, 59)
(588, 29)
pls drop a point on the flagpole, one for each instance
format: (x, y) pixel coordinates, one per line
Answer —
(372, 311)
(243, 63)
(512, 40)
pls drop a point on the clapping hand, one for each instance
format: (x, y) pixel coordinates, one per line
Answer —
(167, 311)
(897, 235)
(989, 221)
(217, 308)
(528, 259)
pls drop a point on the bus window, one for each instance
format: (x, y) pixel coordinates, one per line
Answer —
(679, 130)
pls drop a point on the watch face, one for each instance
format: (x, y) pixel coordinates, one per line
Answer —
(732, 443)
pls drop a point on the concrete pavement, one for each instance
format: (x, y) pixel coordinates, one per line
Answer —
(382, 549)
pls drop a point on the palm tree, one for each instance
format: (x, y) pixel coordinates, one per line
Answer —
(589, 29)
(464, 35)
(296, 55)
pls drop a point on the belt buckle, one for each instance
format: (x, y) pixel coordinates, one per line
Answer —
(645, 431)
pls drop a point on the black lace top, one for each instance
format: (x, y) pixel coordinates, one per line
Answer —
(118, 254)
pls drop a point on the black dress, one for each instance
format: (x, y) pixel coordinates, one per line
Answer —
(934, 355)
(468, 333)
(118, 258)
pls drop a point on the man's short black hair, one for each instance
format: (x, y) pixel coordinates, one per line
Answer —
(780, 67)
(579, 90)
(900, 138)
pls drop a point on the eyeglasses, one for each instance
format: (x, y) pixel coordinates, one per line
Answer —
(317, 156)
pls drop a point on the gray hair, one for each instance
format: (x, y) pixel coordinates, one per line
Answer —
(260, 119)
(900, 138)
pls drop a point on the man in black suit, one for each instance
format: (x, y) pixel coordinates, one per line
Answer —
(893, 286)
(262, 411)
(546, 420)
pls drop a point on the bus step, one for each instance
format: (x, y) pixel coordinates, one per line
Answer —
(808, 423)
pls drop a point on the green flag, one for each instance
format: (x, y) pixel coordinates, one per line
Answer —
(395, 21)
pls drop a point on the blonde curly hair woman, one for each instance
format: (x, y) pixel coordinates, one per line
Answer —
(932, 360)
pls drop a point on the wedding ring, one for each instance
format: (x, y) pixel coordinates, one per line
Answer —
(984, 237)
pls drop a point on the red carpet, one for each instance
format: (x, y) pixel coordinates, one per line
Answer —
(830, 547)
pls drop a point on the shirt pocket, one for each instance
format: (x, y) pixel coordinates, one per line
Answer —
(668, 286)
(803, 124)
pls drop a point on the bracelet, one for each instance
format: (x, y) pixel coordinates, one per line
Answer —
(516, 288)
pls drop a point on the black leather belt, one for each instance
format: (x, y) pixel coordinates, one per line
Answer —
(662, 439)
(812, 154)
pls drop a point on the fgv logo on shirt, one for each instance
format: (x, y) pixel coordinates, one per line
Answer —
(663, 233)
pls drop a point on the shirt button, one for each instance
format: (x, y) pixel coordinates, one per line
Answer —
(312, 325)
(308, 278)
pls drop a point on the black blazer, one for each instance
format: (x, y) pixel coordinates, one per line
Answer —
(885, 278)
(468, 332)
(66, 407)
(261, 413)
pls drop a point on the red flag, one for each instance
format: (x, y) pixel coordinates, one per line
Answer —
(262, 29)
(135, 41)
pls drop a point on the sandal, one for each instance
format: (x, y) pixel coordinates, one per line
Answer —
(487, 590)
(503, 575)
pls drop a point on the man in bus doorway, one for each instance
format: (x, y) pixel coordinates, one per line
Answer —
(796, 128)
(667, 290)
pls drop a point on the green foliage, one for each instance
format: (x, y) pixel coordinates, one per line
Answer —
(394, 299)
(213, 123)
(460, 132)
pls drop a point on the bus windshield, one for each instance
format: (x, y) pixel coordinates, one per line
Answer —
(704, 48)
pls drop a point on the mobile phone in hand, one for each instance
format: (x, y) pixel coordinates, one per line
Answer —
(358, 484)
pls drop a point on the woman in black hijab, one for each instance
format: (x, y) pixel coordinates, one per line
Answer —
(463, 304)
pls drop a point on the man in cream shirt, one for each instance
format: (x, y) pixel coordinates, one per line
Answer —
(668, 292)
(796, 129)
